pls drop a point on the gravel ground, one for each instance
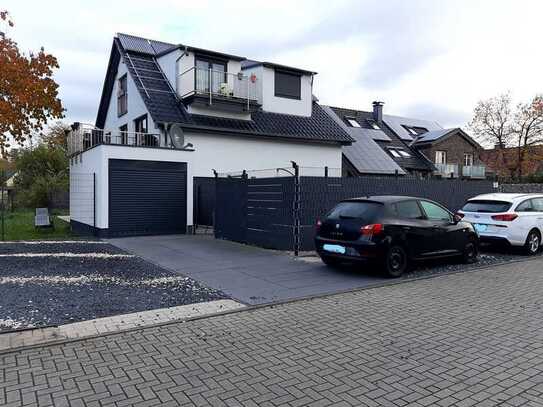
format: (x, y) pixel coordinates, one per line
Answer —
(84, 280)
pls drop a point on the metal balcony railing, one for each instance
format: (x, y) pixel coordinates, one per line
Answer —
(85, 136)
(447, 170)
(217, 85)
(474, 171)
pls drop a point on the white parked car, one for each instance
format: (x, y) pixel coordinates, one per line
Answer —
(516, 219)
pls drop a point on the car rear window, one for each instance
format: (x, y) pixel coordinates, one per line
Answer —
(365, 211)
(486, 206)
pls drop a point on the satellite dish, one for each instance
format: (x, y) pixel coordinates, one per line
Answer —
(177, 136)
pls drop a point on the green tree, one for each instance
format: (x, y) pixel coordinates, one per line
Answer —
(41, 172)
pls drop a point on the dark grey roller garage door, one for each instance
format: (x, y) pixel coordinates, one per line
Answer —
(147, 197)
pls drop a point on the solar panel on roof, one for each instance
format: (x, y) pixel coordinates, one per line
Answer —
(396, 123)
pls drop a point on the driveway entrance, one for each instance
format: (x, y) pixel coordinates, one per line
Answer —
(248, 274)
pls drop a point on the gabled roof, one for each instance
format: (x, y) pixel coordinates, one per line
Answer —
(398, 124)
(251, 63)
(165, 107)
(365, 155)
(442, 134)
(384, 138)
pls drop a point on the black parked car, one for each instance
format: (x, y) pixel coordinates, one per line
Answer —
(393, 231)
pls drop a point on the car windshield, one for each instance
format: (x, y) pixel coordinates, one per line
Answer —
(365, 211)
(486, 206)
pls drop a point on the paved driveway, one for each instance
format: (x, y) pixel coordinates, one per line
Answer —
(248, 274)
(467, 339)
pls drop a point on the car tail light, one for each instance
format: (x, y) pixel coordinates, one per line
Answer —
(318, 225)
(460, 215)
(371, 230)
(507, 217)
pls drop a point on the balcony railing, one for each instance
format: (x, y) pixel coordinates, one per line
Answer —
(218, 85)
(447, 170)
(84, 137)
(474, 171)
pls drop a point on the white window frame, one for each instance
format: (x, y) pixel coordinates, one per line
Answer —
(468, 160)
(352, 122)
(441, 157)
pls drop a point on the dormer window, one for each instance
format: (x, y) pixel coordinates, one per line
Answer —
(399, 153)
(415, 131)
(288, 85)
(122, 96)
(352, 122)
(373, 125)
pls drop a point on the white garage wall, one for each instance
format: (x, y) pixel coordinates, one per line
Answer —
(224, 153)
(227, 153)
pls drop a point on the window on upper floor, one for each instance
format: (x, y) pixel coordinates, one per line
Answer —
(441, 157)
(122, 96)
(288, 84)
(140, 124)
(352, 122)
(468, 160)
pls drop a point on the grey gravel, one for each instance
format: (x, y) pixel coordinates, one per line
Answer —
(47, 290)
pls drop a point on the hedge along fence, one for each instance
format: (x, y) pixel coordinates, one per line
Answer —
(273, 212)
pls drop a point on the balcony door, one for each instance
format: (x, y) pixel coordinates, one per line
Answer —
(209, 75)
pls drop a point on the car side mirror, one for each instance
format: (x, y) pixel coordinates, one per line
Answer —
(456, 219)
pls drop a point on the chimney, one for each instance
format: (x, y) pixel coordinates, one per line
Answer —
(378, 111)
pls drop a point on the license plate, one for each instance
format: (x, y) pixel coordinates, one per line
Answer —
(480, 228)
(334, 248)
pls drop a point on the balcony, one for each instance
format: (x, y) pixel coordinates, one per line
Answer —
(474, 171)
(446, 170)
(84, 137)
(236, 93)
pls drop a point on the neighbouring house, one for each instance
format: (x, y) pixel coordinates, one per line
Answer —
(171, 114)
(504, 161)
(394, 145)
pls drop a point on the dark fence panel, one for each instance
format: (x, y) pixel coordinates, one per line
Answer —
(204, 200)
(269, 212)
(260, 211)
(231, 209)
(522, 188)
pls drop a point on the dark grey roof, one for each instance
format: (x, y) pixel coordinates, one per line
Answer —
(397, 123)
(432, 135)
(164, 106)
(143, 45)
(416, 161)
(251, 63)
(365, 154)
(157, 48)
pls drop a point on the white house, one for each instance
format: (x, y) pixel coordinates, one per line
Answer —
(170, 114)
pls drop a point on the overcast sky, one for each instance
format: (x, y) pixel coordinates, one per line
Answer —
(430, 59)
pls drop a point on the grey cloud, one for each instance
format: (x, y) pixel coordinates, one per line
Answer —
(441, 114)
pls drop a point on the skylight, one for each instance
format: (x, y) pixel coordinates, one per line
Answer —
(373, 125)
(395, 153)
(399, 153)
(404, 153)
(353, 122)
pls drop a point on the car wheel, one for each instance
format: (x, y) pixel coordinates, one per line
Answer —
(330, 261)
(533, 243)
(470, 253)
(396, 261)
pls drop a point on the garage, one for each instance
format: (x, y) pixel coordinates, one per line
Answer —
(147, 197)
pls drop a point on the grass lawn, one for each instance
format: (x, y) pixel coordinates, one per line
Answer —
(19, 225)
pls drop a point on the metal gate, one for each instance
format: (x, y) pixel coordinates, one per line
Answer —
(147, 197)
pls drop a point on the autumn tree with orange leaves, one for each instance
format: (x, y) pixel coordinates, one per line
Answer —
(28, 93)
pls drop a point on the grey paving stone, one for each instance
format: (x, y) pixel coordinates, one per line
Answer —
(434, 342)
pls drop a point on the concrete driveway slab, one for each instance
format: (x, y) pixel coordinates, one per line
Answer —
(249, 274)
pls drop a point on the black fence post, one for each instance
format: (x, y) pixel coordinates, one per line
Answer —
(94, 200)
(2, 175)
(296, 211)
(326, 171)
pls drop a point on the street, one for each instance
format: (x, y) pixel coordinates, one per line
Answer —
(473, 338)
